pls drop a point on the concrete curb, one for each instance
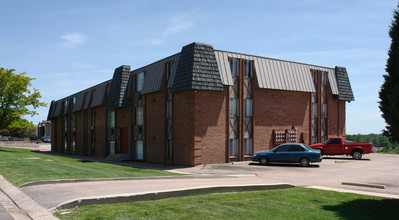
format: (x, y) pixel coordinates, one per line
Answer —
(118, 198)
(24, 202)
(58, 181)
(378, 186)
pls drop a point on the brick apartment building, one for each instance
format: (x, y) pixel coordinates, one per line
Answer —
(202, 106)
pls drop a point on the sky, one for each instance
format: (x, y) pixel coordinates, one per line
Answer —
(68, 46)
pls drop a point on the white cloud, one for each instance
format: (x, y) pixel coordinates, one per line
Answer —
(176, 24)
(73, 39)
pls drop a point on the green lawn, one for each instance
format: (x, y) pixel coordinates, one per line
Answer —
(20, 166)
(294, 203)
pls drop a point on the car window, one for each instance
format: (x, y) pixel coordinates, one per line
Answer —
(335, 141)
(296, 148)
(283, 148)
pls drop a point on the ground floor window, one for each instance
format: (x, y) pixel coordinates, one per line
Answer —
(112, 147)
(248, 146)
(139, 150)
(233, 147)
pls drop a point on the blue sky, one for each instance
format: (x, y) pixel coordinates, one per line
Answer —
(71, 45)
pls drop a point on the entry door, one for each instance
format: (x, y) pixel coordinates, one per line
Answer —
(124, 140)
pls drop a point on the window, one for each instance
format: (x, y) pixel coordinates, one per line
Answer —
(314, 76)
(73, 128)
(247, 146)
(65, 106)
(139, 81)
(283, 148)
(314, 110)
(248, 69)
(234, 67)
(233, 147)
(65, 134)
(140, 115)
(296, 148)
(111, 131)
(248, 108)
(324, 110)
(169, 109)
(111, 119)
(169, 149)
(74, 100)
(314, 139)
(233, 107)
(139, 150)
(323, 78)
(335, 141)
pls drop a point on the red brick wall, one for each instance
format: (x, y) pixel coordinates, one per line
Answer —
(100, 131)
(155, 127)
(183, 127)
(336, 117)
(57, 143)
(79, 132)
(342, 119)
(275, 109)
(210, 127)
(89, 151)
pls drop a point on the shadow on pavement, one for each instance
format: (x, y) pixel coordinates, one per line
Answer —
(343, 158)
(284, 165)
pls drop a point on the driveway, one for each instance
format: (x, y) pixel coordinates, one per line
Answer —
(372, 169)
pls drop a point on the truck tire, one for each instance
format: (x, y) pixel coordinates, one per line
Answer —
(357, 155)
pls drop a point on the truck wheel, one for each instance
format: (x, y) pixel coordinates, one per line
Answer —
(304, 162)
(263, 161)
(357, 155)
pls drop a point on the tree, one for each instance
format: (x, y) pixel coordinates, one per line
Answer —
(389, 93)
(17, 100)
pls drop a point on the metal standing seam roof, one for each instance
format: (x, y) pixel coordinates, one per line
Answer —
(276, 74)
(79, 102)
(99, 94)
(154, 74)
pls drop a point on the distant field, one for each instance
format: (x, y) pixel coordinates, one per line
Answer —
(295, 203)
(20, 166)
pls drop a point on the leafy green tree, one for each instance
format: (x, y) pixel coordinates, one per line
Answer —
(16, 101)
(389, 93)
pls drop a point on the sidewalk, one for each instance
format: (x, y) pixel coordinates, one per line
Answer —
(18, 205)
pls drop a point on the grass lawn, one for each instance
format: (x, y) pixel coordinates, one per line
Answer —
(294, 203)
(20, 166)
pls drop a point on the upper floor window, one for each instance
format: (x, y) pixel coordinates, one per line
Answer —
(248, 68)
(323, 78)
(140, 115)
(234, 66)
(314, 76)
(233, 107)
(111, 119)
(324, 110)
(314, 110)
(248, 108)
(139, 81)
(169, 109)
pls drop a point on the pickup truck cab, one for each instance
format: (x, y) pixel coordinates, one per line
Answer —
(337, 146)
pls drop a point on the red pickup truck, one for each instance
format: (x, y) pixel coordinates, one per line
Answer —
(337, 146)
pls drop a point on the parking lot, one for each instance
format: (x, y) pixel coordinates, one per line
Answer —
(379, 169)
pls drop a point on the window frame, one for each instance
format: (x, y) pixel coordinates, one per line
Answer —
(139, 85)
